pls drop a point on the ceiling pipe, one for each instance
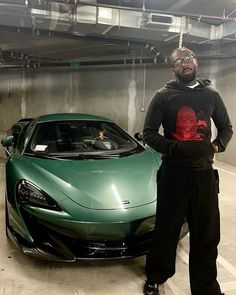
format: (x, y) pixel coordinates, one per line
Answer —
(155, 52)
(13, 5)
(78, 64)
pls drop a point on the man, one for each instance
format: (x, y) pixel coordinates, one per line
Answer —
(187, 184)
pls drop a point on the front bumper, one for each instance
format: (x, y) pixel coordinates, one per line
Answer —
(51, 242)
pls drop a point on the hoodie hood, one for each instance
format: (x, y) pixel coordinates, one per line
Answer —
(175, 84)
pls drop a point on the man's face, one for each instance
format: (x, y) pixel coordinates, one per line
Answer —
(184, 65)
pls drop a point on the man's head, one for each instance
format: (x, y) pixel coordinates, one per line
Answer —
(184, 65)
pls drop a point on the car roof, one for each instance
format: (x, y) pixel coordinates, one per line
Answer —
(69, 116)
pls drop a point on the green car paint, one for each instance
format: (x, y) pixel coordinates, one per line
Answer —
(109, 197)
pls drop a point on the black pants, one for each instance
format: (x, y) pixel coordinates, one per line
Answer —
(186, 193)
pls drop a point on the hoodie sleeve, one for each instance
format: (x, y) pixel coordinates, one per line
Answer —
(152, 123)
(223, 125)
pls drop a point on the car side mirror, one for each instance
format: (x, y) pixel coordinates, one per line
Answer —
(139, 137)
(7, 142)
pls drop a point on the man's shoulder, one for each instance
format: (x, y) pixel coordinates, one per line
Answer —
(160, 94)
(162, 91)
(208, 84)
(205, 82)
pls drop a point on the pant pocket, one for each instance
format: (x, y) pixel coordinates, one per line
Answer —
(216, 173)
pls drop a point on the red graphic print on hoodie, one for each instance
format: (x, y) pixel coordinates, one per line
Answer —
(187, 125)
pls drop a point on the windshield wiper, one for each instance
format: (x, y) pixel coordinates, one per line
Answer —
(81, 156)
(41, 155)
(88, 156)
(102, 156)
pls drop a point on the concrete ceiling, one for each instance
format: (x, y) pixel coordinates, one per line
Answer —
(53, 33)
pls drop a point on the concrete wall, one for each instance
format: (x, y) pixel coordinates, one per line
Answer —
(121, 93)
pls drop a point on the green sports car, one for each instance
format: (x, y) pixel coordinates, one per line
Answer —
(78, 187)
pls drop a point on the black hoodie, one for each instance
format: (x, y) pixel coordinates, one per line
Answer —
(185, 115)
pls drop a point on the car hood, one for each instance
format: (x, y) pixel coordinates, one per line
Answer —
(114, 183)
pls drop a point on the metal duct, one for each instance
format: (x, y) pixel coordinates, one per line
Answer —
(125, 3)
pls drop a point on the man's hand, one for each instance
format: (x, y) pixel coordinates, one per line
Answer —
(192, 149)
(216, 148)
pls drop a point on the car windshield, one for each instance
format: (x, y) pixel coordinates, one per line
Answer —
(75, 138)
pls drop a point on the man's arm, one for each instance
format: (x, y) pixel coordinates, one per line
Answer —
(152, 124)
(223, 126)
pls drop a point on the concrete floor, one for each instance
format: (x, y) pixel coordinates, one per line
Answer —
(20, 274)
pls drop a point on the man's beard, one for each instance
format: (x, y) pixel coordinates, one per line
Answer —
(186, 79)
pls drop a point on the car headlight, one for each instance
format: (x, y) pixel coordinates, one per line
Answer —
(29, 193)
